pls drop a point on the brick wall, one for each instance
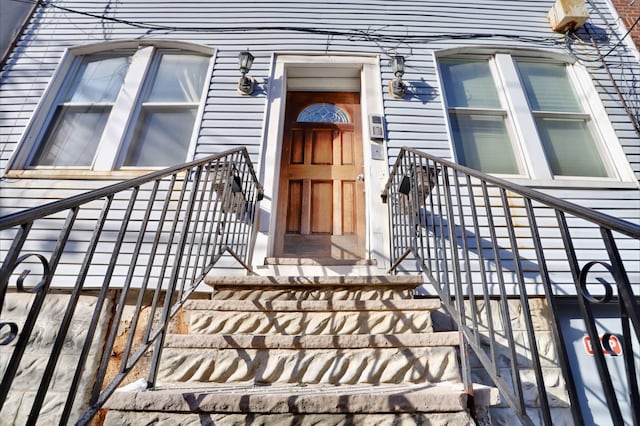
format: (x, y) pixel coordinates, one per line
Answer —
(629, 10)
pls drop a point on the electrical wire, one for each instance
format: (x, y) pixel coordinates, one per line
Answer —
(622, 39)
(351, 34)
(634, 117)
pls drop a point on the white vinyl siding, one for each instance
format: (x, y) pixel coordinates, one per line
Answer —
(420, 31)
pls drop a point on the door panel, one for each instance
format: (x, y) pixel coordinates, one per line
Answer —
(319, 189)
(321, 207)
(349, 218)
(321, 147)
(295, 206)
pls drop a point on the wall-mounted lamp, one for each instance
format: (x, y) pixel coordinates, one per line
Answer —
(246, 83)
(397, 88)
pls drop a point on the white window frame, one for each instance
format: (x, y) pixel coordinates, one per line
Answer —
(521, 120)
(117, 134)
(503, 111)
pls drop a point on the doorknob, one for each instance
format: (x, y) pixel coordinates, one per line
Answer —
(360, 177)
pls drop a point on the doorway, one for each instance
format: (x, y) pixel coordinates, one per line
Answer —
(321, 199)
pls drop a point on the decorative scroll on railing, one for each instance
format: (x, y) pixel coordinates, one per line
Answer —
(501, 257)
(130, 255)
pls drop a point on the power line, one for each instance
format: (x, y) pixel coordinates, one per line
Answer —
(622, 39)
(350, 34)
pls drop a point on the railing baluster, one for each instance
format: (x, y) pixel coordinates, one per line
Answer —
(526, 312)
(628, 313)
(41, 289)
(164, 319)
(102, 369)
(587, 314)
(556, 330)
(8, 265)
(86, 264)
(457, 276)
(130, 274)
(193, 232)
(210, 245)
(466, 255)
(154, 249)
(515, 370)
(483, 276)
(440, 246)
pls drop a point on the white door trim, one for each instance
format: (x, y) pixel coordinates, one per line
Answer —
(376, 171)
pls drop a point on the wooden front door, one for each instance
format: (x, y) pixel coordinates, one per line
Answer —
(321, 193)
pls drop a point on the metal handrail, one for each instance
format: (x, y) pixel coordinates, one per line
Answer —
(598, 218)
(478, 241)
(162, 233)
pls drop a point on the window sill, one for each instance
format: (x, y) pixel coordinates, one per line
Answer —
(576, 184)
(76, 174)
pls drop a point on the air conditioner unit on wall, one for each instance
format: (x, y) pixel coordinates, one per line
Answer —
(568, 15)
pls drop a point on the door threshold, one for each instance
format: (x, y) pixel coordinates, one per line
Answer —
(318, 261)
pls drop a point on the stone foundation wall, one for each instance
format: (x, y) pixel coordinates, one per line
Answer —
(30, 371)
(554, 382)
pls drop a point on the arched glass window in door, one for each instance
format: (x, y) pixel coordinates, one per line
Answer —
(323, 113)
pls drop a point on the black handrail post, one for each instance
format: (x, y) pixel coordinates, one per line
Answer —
(526, 314)
(589, 320)
(556, 329)
(164, 320)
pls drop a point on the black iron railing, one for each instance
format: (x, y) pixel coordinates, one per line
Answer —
(489, 247)
(139, 248)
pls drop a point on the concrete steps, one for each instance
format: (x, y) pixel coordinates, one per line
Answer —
(304, 350)
(287, 317)
(313, 287)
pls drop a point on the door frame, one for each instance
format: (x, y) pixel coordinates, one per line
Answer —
(306, 172)
(364, 77)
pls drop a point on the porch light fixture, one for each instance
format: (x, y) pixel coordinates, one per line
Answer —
(397, 88)
(246, 83)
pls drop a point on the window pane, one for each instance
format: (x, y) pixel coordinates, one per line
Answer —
(469, 84)
(179, 78)
(99, 79)
(323, 113)
(161, 138)
(548, 87)
(570, 148)
(73, 138)
(483, 143)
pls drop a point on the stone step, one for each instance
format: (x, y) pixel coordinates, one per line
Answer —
(309, 317)
(312, 305)
(353, 341)
(296, 398)
(295, 365)
(318, 267)
(247, 404)
(149, 418)
(381, 287)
